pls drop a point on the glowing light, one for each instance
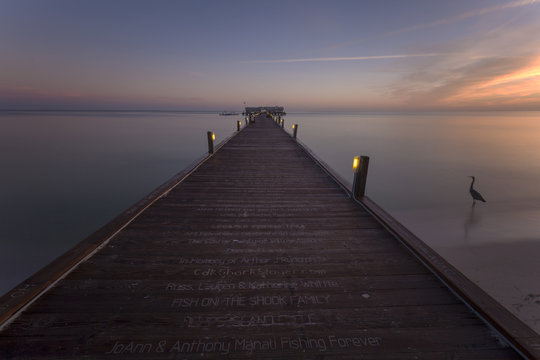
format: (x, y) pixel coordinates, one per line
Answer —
(213, 136)
(355, 163)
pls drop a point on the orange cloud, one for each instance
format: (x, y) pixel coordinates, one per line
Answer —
(529, 72)
(521, 86)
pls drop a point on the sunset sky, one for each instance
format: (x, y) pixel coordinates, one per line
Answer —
(304, 55)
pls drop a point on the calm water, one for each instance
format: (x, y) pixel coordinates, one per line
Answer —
(67, 173)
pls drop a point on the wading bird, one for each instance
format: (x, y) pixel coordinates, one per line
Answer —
(475, 194)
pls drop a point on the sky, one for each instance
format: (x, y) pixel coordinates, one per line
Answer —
(301, 54)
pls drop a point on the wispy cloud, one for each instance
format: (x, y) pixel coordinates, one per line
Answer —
(447, 20)
(518, 82)
(472, 13)
(481, 82)
(491, 69)
(349, 58)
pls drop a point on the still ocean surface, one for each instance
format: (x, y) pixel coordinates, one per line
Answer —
(65, 174)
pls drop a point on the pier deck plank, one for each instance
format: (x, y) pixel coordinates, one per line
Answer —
(256, 254)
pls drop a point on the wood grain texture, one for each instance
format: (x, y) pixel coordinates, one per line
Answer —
(259, 253)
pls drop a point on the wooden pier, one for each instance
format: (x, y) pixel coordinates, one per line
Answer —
(258, 252)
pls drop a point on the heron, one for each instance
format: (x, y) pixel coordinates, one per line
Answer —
(475, 194)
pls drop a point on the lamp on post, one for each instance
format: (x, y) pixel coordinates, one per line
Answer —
(211, 137)
(360, 169)
(295, 130)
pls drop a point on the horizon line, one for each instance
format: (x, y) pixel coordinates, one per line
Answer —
(290, 111)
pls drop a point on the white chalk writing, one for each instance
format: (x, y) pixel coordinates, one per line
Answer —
(253, 260)
(233, 321)
(259, 300)
(224, 272)
(245, 344)
(220, 286)
(253, 242)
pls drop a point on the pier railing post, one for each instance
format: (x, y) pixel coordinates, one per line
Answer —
(295, 130)
(360, 168)
(282, 123)
(211, 138)
(238, 125)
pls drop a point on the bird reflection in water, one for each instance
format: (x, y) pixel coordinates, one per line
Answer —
(471, 221)
(473, 218)
(475, 194)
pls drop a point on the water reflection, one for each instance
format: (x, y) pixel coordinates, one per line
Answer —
(471, 221)
(418, 172)
(89, 169)
(69, 173)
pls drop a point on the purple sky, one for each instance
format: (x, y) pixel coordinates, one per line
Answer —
(305, 55)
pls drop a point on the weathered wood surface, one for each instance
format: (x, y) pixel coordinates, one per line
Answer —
(256, 254)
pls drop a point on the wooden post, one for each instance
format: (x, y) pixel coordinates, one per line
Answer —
(282, 123)
(238, 125)
(360, 168)
(211, 138)
(295, 130)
